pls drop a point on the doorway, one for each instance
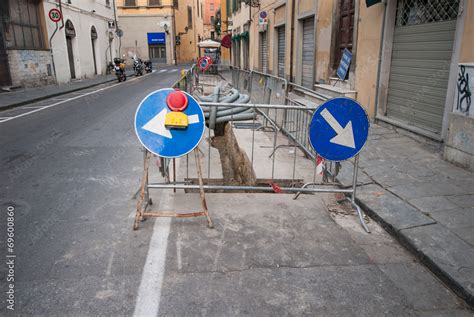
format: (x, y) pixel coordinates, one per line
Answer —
(70, 35)
(157, 53)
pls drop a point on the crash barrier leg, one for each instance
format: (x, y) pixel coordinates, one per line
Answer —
(144, 200)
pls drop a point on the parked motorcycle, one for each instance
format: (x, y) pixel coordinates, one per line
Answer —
(138, 66)
(148, 66)
(120, 69)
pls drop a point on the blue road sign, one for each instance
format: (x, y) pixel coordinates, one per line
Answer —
(344, 64)
(156, 137)
(156, 38)
(339, 129)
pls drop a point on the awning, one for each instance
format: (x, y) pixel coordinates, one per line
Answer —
(227, 41)
(372, 2)
(209, 43)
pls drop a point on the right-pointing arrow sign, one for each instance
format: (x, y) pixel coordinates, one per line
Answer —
(345, 136)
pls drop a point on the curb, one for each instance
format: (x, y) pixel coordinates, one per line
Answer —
(22, 103)
(407, 243)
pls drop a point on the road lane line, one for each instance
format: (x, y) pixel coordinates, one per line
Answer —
(33, 107)
(162, 71)
(173, 71)
(149, 292)
(64, 101)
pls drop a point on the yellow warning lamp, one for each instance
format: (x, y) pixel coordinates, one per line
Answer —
(177, 102)
(176, 120)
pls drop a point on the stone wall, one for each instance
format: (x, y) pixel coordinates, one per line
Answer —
(459, 148)
(30, 68)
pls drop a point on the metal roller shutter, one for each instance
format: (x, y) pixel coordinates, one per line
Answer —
(420, 66)
(281, 51)
(263, 52)
(307, 72)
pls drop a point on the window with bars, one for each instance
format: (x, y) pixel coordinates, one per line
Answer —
(154, 3)
(415, 12)
(130, 3)
(23, 29)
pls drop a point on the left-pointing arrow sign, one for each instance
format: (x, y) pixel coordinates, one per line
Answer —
(157, 125)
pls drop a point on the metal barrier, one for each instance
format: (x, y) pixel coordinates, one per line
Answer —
(274, 121)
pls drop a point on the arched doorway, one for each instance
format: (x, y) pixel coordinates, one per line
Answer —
(70, 35)
(94, 41)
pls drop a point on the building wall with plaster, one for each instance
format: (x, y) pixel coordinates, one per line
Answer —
(84, 16)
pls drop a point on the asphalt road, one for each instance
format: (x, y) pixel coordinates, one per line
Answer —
(68, 175)
(70, 172)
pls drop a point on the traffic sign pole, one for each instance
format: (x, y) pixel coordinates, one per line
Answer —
(169, 124)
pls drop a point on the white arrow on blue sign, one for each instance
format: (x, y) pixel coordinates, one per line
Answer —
(158, 139)
(339, 129)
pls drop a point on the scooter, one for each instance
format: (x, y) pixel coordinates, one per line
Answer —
(148, 66)
(120, 69)
(138, 66)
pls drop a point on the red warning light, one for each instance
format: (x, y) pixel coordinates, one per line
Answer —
(177, 101)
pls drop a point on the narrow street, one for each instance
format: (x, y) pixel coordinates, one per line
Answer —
(70, 171)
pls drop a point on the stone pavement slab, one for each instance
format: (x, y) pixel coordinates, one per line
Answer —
(270, 255)
(424, 201)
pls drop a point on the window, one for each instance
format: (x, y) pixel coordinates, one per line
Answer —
(212, 20)
(190, 17)
(176, 4)
(197, 6)
(107, 3)
(211, 7)
(130, 3)
(212, 35)
(152, 3)
(23, 30)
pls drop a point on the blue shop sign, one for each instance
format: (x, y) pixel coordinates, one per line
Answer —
(157, 38)
(344, 64)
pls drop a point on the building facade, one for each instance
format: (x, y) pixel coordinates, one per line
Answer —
(84, 41)
(189, 29)
(211, 15)
(148, 30)
(25, 57)
(410, 58)
(164, 31)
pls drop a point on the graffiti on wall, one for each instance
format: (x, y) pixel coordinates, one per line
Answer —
(464, 88)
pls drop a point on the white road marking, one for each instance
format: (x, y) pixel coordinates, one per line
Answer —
(64, 101)
(162, 71)
(33, 107)
(149, 292)
(173, 71)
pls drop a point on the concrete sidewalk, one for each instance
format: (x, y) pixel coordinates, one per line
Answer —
(425, 202)
(271, 255)
(19, 97)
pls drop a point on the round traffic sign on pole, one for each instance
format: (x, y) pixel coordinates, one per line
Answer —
(54, 15)
(169, 123)
(204, 63)
(339, 129)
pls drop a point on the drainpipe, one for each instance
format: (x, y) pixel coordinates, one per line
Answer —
(62, 15)
(174, 37)
(51, 51)
(379, 71)
(116, 28)
(292, 38)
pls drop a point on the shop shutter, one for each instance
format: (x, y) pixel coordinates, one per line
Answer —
(281, 51)
(307, 71)
(263, 52)
(420, 65)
